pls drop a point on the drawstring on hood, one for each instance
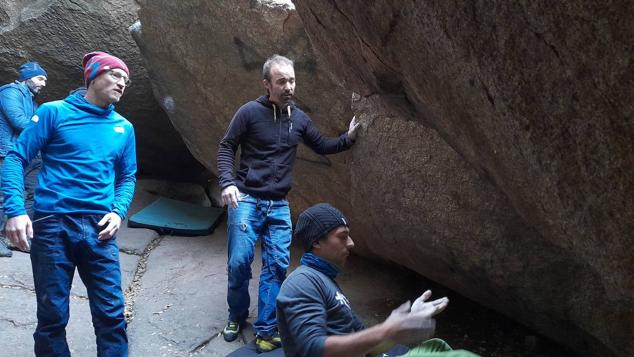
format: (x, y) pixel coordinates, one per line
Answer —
(274, 113)
(288, 110)
(264, 100)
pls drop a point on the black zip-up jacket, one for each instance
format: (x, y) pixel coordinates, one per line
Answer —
(268, 138)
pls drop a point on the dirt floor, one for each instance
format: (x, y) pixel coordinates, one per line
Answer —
(176, 300)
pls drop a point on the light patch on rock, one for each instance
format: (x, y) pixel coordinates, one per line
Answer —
(135, 27)
(168, 104)
(286, 3)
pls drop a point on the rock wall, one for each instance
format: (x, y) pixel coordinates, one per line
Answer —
(494, 159)
(58, 33)
(205, 61)
(536, 97)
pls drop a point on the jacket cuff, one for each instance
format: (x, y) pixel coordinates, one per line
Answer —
(225, 184)
(15, 213)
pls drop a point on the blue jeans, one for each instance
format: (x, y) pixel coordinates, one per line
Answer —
(270, 221)
(30, 181)
(60, 244)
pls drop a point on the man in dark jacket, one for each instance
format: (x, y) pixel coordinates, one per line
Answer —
(315, 317)
(268, 131)
(17, 106)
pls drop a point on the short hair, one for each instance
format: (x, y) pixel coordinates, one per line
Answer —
(275, 59)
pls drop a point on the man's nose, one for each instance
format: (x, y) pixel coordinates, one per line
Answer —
(349, 243)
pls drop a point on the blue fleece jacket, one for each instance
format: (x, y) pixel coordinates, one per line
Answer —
(17, 106)
(88, 155)
(268, 138)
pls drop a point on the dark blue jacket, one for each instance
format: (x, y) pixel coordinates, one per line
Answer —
(311, 307)
(268, 139)
(17, 106)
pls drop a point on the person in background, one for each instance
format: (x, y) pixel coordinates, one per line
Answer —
(17, 106)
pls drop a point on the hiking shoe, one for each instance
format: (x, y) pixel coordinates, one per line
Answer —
(4, 249)
(230, 332)
(263, 344)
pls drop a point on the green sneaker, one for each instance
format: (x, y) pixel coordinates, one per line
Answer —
(230, 332)
(263, 344)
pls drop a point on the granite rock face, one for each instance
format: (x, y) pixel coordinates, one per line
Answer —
(58, 33)
(205, 61)
(496, 156)
(537, 98)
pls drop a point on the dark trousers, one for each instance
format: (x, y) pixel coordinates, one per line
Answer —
(60, 244)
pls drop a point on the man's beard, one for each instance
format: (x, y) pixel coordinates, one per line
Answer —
(35, 90)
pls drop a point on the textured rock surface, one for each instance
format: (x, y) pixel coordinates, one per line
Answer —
(205, 60)
(537, 98)
(497, 151)
(59, 33)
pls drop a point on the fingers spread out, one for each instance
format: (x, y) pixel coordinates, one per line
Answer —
(440, 304)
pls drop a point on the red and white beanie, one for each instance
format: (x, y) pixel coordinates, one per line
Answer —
(95, 63)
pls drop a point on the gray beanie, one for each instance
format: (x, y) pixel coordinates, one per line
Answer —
(317, 221)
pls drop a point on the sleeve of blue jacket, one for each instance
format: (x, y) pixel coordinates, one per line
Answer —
(125, 178)
(11, 105)
(26, 148)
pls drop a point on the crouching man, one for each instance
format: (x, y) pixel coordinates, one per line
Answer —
(316, 319)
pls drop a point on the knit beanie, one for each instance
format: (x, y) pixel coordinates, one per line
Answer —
(317, 221)
(30, 70)
(95, 63)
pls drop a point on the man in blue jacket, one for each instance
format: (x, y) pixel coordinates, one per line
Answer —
(268, 131)
(84, 191)
(17, 106)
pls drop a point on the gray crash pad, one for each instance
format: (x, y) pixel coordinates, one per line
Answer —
(249, 350)
(168, 216)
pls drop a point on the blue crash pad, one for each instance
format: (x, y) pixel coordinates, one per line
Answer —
(167, 216)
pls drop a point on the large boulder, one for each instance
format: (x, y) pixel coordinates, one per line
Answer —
(58, 33)
(205, 61)
(444, 179)
(537, 98)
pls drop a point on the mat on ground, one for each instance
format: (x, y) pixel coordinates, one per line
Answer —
(168, 216)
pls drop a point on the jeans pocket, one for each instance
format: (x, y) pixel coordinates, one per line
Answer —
(45, 224)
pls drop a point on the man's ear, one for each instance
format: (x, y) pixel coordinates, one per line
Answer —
(266, 84)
